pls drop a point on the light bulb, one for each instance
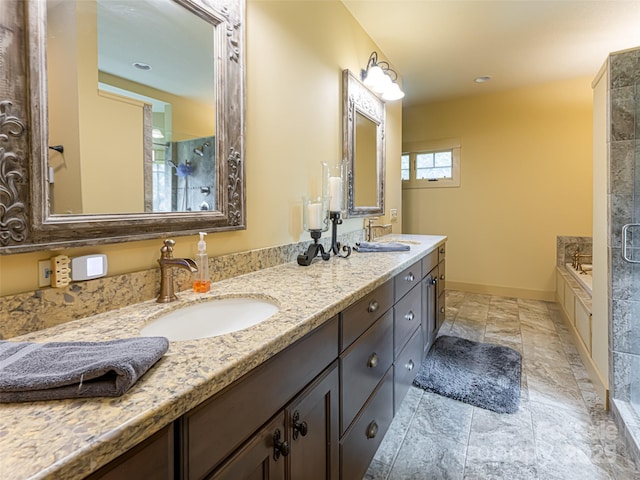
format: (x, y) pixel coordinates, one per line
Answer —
(393, 92)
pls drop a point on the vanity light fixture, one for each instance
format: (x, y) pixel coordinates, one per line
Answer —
(381, 78)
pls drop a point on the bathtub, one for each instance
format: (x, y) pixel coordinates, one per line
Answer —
(584, 280)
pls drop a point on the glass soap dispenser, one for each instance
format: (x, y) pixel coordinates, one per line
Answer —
(201, 282)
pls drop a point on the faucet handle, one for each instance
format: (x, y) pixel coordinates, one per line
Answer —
(166, 251)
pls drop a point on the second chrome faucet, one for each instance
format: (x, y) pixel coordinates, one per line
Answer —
(167, 264)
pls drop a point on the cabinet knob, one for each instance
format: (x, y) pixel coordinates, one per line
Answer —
(299, 428)
(434, 281)
(410, 316)
(441, 309)
(442, 250)
(373, 361)
(409, 277)
(373, 306)
(442, 277)
(372, 430)
(279, 448)
(409, 366)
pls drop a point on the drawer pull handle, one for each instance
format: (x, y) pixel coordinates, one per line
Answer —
(441, 309)
(279, 448)
(442, 277)
(372, 430)
(410, 277)
(299, 428)
(409, 366)
(410, 316)
(373, 306)
(373, 361)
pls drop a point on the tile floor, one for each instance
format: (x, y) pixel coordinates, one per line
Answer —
(560, 431)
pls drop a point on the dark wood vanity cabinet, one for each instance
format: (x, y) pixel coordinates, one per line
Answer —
(227, 423)
(301, 441)
(433, 295)
(319, 409)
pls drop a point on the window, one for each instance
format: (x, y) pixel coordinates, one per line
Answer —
(431, 164)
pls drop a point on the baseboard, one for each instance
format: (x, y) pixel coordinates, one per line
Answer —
(592, 370)
(502, 291)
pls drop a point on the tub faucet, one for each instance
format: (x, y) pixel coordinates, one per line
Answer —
(167, 263)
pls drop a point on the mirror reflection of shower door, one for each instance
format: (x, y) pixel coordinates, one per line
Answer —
(162, 177)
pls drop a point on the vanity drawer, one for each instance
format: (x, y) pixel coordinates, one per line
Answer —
(362, 314)
(407, 279)
(407, 314)
(214, 429)
(406, 368)
(359, 445)
(363, 365)
(429, 262)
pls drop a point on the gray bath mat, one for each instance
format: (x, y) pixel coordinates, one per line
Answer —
(480, 374)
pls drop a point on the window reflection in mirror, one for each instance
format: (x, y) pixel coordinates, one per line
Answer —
(365, 183)
(132, 101)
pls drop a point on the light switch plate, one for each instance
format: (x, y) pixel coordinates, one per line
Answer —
(393, 213)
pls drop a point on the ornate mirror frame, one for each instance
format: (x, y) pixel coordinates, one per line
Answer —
(25, 220)
(357, 98)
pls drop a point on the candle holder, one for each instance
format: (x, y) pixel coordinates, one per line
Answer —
(336, 205)
(315, 221)
(335, 245)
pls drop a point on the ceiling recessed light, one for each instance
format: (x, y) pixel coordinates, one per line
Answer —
(142, 66)
(483, 79)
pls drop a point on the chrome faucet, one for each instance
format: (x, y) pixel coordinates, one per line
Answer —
(167, 263)
(371, 228)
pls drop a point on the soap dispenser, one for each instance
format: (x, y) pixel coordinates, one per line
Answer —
(201, 282)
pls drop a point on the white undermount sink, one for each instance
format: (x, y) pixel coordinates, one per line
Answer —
(210, 319)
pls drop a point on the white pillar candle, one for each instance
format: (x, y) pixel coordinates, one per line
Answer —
(335, 194)
(314, 216)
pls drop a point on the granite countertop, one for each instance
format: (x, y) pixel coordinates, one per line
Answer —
(68, 439)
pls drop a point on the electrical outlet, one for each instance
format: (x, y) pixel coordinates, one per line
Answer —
(393, 213)
(44, 273)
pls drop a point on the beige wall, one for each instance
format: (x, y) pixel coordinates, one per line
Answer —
(296, 52)
(526, 177)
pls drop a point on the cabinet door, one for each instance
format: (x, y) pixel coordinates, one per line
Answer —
(260, 458)
(430, 313)
(313, 429)
(583, 324)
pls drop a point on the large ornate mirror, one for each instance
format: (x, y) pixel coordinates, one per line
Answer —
(363, 147)
(134, 120)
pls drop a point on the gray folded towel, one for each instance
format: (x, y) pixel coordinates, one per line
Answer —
(381, 247)
(56, 370)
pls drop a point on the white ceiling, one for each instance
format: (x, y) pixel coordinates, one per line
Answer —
(440, 46)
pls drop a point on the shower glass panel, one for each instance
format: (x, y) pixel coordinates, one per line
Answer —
(631, 255)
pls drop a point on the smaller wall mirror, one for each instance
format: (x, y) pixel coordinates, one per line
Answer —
(363, 147)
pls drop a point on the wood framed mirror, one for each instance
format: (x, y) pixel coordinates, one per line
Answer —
(101, 162)
(363, 127)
